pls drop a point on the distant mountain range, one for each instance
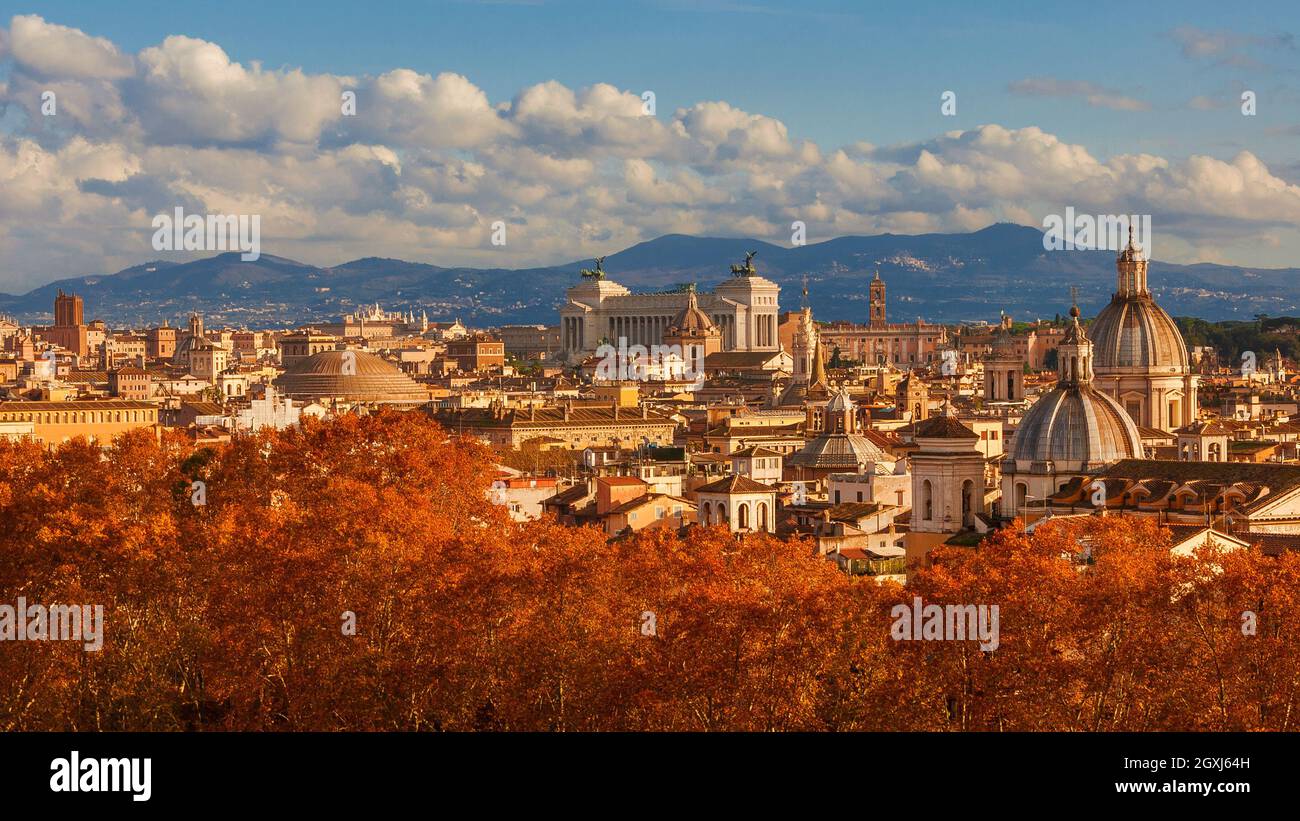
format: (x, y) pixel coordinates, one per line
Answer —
(941, 277)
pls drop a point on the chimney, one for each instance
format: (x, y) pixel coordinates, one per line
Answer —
(645, 411)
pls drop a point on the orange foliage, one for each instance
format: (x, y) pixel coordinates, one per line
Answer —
(229, 615)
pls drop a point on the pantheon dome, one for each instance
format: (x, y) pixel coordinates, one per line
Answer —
(355, 376)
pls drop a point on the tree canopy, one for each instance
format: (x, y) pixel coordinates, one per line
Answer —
(232, 614)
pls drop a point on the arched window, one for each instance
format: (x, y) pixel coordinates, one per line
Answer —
(927, 501)
(762, 516)
(968, 503)
(742, 516)
(707, 511)
(722, 513)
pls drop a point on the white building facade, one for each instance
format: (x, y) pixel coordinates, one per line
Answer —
(744, 308)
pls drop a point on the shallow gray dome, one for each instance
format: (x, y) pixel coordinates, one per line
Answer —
(1134, 332)
(1076, 424)
(352, 375)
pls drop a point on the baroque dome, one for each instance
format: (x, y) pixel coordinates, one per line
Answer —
(1077, 424)
(353, 375)
(846, 452)
(839, 446)
(692, 320)
(1134, 332)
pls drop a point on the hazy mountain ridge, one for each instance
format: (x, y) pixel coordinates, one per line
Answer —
(943, 277)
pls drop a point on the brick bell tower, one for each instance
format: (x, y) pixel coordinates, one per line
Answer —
(876, 293)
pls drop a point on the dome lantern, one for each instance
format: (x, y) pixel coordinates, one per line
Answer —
(1074, 355)
(1131, 265)
(1140, 357)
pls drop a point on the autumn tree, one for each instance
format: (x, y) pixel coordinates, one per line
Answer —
(354, 574)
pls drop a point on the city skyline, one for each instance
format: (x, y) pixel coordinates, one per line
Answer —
(386, 374)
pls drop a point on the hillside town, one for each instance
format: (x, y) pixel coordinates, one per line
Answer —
(877, 441)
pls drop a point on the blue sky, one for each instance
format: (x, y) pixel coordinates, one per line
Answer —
(1113, 79)
(835, 72)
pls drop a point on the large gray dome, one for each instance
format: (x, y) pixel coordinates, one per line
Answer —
(1077, 424)
(353, 375)
(1134, 332)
